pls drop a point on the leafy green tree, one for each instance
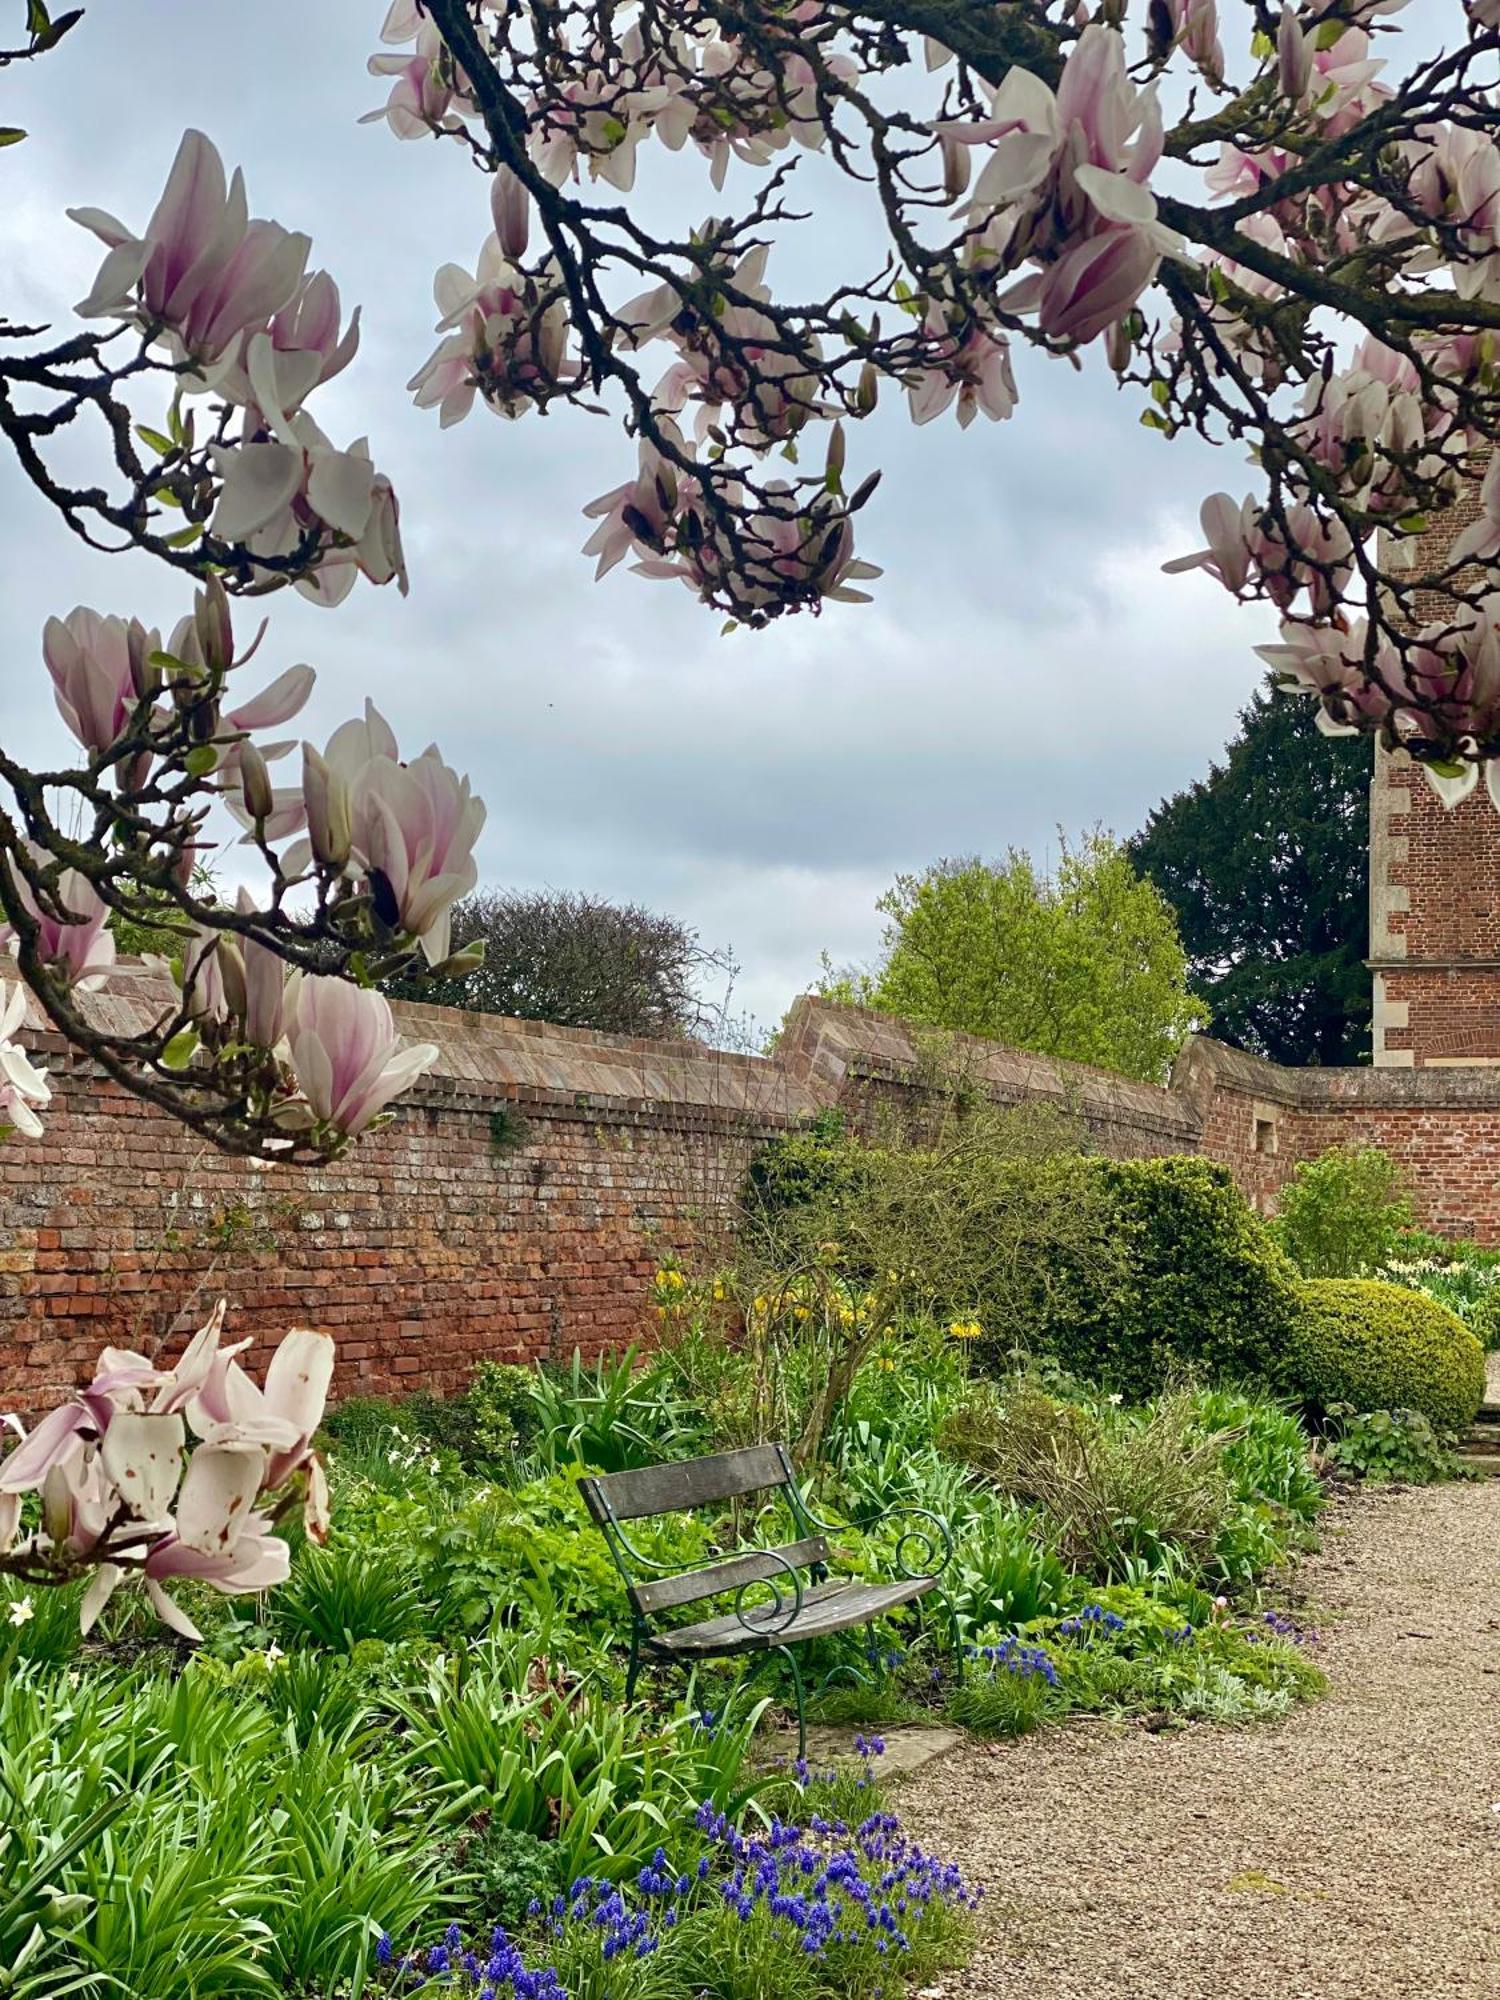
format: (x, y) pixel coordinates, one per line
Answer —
(1265, 862)
(1084, 963)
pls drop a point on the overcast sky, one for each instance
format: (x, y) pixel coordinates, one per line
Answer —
(1025, 664)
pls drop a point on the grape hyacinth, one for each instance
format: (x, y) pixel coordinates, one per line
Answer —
(1093, 1618)
(820, 1889)
(1012, 1657)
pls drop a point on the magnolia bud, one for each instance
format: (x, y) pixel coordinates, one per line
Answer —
(57, 1505)
(867, 390)
(1294, 57)
(327, 800)
(232, 976)
(1118, 346)
(510, 205)
(145, 674)
(212, 623)
(835, 464)
(255, 784)
(184, 862)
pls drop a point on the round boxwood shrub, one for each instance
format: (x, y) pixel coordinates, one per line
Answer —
(1201, 1286)
(1381, 1347)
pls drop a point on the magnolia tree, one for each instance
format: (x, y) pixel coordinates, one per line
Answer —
(1303, 258)
(1280, 229)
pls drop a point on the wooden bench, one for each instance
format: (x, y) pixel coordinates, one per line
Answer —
(795, 1610)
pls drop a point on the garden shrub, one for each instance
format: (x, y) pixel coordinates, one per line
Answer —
(1376, 1346)
(1201, 1285)
(1342, 1214)
(1116, 1492)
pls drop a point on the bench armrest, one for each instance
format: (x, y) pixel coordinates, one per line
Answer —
(924, 1549)
(928, 1542)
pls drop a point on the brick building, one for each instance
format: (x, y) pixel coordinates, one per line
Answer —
(1434, 895)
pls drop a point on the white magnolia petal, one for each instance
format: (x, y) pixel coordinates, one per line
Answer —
(170, 1613)
(260, 480)
(340, 489)
(298, 1379)
(142, 1458)
(1451, 790)
(218, 1488)
(98, 1594)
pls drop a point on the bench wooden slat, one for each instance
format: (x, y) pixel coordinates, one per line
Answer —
(827, 1607)
(693, 1482)
(754, 1566)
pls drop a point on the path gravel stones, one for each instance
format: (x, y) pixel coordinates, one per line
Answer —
(1351, 1852)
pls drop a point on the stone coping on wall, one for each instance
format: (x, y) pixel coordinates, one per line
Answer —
(494, 1058)
(833, 1045)
(1205, 1065)
(823, 1050)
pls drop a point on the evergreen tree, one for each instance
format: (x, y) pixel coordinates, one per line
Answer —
(1266, 862)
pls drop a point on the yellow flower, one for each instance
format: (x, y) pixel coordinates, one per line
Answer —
(965, 1329)
(885, 1361)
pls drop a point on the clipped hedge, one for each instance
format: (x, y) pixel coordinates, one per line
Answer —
(1382, 1347)
(1203, 1286)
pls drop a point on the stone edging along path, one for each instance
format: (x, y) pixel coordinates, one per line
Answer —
(1349, 1852)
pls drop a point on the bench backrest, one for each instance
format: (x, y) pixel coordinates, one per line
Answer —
(613, 1498)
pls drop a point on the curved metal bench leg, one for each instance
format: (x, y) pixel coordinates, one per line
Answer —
(791, 1659)
(633, 1671)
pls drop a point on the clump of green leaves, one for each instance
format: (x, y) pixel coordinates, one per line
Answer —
(1389, 1447)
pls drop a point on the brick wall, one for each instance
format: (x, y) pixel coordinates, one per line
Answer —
(522, 1197)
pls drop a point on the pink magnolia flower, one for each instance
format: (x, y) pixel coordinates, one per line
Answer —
(203, 273)
(78, 947)
(414, 827)
(1097, 281)
(277, 490)
(508, 344)
(122, 1489)
(425, 96)
(23, 1087)
(347, 1055)
(976, 369)
(1230, 531)
(100, 669)
(303, 345)
(637, 515)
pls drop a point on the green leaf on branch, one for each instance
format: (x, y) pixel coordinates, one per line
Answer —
(200, 760)
(1413, 524)
(155, 439)
(1155, 421)
(184, 536)
(180, 1051)
(38, 20)
(11, 135)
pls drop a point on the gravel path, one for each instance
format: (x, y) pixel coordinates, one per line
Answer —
(1351, 1852)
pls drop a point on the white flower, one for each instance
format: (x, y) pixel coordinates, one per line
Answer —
(1116, 1399)
(21, 1610)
